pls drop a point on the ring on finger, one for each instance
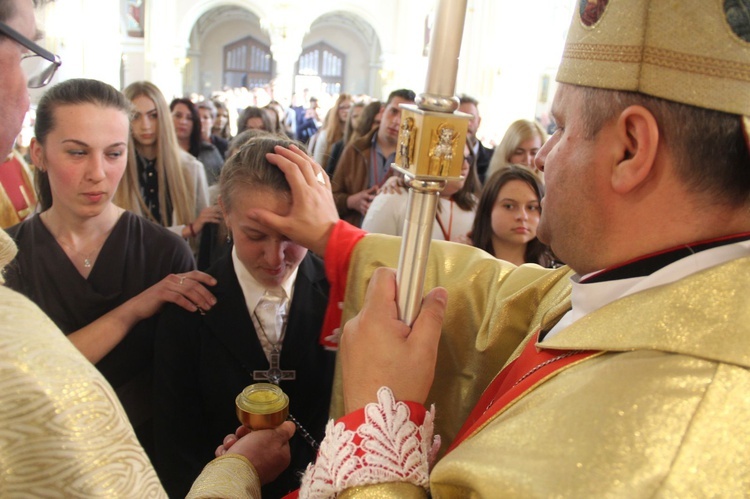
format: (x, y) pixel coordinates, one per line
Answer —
(182, 279)
(320, 178)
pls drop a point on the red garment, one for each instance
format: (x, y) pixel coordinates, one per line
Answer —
(338, 254)
(534, 365)
(17, 187)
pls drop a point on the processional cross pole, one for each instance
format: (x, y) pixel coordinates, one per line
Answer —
(430, 152)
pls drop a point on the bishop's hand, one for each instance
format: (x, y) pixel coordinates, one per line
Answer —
(377, 349)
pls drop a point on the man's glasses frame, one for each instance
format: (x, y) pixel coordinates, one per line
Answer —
(45, 76)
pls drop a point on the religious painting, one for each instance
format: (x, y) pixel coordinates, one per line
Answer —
(134, 17)
(591, 11)
(738, 17)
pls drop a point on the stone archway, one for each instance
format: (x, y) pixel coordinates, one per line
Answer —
(216, 29)
(358, 41)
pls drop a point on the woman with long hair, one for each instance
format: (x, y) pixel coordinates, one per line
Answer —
(351, 122)
(254, 118)
(367, 118)
(99, 272)
(519, 145)
(333, 131)
(508, 215)
(163, 183)
(221, 126)
(187, 126)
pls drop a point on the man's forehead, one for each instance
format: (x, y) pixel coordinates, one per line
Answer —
(396, 100)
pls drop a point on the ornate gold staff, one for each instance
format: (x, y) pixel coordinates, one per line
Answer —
(430, 152)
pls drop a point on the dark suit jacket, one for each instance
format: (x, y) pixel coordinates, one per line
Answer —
(484, 155)
(204, 362)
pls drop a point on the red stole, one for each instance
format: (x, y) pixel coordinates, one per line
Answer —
(524, 373)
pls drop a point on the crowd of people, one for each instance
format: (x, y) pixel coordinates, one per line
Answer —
(158, 266)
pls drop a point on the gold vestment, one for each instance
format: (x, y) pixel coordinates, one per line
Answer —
(660, 413)
(63, 432)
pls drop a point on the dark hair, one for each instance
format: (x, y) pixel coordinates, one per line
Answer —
(366, 119)
(224, 131)
(404, 93)
(466, 197)
(253, 112)
(481, 232)
(709, 149)
(194, 147)
(467, 99)
(72, 92)
(250, 168)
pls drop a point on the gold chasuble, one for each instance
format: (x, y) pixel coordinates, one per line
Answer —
(677, 354)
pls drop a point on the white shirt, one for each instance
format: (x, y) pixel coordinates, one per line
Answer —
(253, 291)
(387, 213)
(586, 298)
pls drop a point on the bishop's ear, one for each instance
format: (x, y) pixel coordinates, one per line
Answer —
(638, 134)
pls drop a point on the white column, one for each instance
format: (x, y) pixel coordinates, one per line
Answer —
(90, 52)
(286, 28)
(165, 60)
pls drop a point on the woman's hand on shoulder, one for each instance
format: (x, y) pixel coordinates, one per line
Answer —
(188, 290)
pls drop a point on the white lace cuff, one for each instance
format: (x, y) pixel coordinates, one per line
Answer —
(387, 447)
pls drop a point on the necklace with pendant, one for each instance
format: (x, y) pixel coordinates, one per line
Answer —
(88, 258)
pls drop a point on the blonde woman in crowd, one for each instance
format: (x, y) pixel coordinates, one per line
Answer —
(519, 145)
(351, 122)
(333, 130)
(367, 119)
(163, 183)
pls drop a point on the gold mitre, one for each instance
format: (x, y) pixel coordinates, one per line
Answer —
(695, 52)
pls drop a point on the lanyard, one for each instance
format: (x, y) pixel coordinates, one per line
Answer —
(376, 165)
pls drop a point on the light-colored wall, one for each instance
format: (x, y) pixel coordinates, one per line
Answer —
(508, 45)
(212, 50)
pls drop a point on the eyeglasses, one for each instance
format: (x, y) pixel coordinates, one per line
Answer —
(38, 67)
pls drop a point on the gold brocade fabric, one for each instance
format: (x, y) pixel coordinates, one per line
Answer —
(63, 433)
(230, 476)
(475, 344)
(660, 414)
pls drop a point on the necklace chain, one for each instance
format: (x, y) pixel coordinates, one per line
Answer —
(277, 349)
(87, 257)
